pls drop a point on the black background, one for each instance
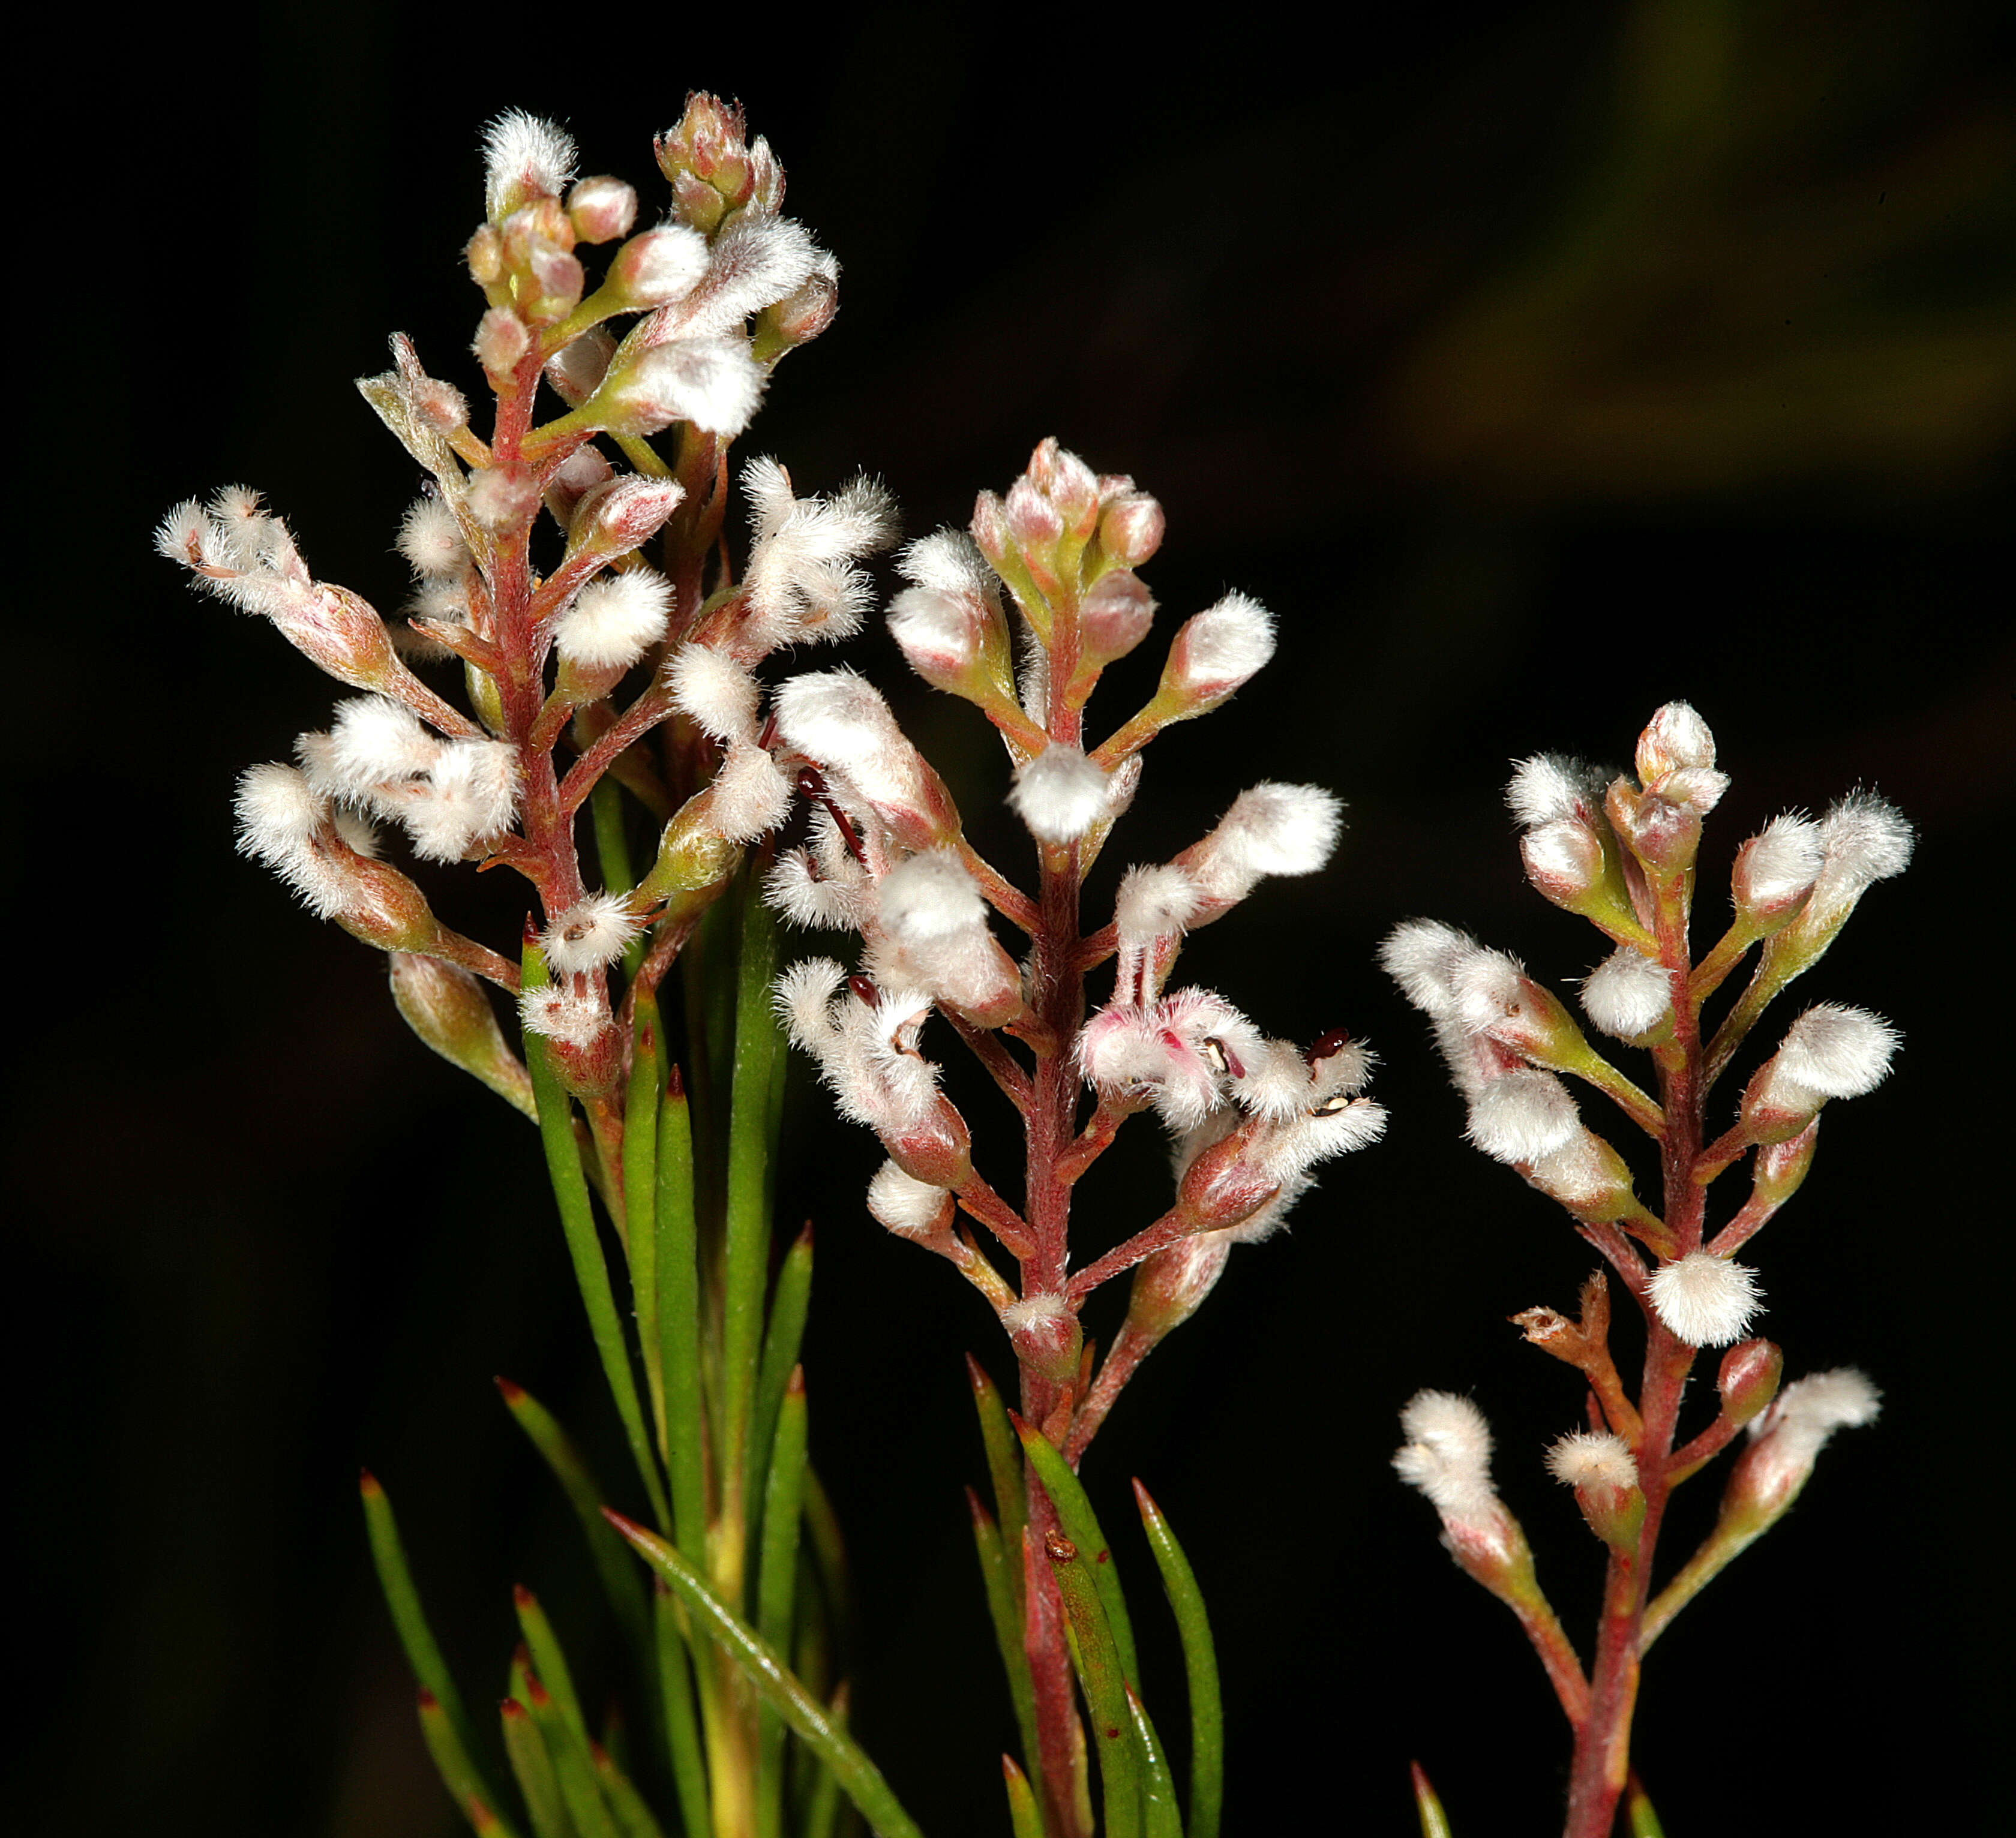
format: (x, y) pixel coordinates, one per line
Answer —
(1534, 364)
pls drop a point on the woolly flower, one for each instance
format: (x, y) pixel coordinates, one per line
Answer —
(947, 562)
(749, 797)
(590, 933)
(470, 792)
(1523, 1117)
(558, 1014)
(1221, 647)
(1154, 902)
(930, 896)
(1179, 1051)
(1060, 794)
(1836, 1052)
(1627, 995)
(1587, 1459)
(1271, 829)
(714, 692)
(374, 741)
(803, 577)
(837, 719)
(1810, 1410)
(795, 887)
(914, 1208)
(1551, 788)
(712, 382)
(1420, 955)
(1703, 1300)
(1676, 738)
(757, 261)
(614, 621)
(280, 816)
(430, 539)
(866, 1053)
(522, 154)
(1865, 840)
(1780, 863)
(1448, 1455)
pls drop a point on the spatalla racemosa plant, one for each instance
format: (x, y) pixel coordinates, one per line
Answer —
(1020, 619)
(1621, 855)
(571, 557)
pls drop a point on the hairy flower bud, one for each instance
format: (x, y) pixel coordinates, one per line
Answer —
(1130, 529)
(1748, 1379)
(1045, 1335)
(657, 267)
(447, 1007)
(602, 209)
(1600, 1469)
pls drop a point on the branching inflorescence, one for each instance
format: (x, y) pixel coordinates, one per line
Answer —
(1020, 619)
(1621, 855)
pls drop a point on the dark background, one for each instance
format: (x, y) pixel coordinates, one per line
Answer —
(1536, 363)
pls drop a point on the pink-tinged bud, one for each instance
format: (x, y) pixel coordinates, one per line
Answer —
(1070, 485)
(712, 169)
(1170, 1286)
(1675, 739)
(659, 267)
(602, 209)
(1785, 1441)
(502, 338)
(1588, 1176)
(504, 498)
(955, 641)
(1114, 617)
(557, 282)
(526, 160)
(990, 527)
(796, 319)
(1775, 871)
(375, 903)
(1034, 522)
(447, 1007)
(1748, 1379)
(623, 515)
(937, 1149)
(485, 256)
(1781, 1167)
(1045, 1336)
(1222, 1187)
(712, 382)
(1829, 1051)
(1663, 835)
(1600, 1469)
(1215, 653)
(1448, 1456)
(336, 629)
(1130, 529)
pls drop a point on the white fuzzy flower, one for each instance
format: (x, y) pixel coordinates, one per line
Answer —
(1448, 1455)
(430, 539)
(838, 720)
(1060, 794)
(757, 261)
(1154, 903)
(931, 897)
(913, 1208)
(523, 155)
(1786, 1440)
(1551, 788)
(1705, 1301)
(1421, 955)
(796, 888)
(1627, 995)
(749, 797)
(1833, 1051)
(803, 580)
(1270, 830)
(714, 692)
(280, 814)
(470, 792)
(614, 621)
(712, 382)
(1779, 864)
(1219, 648)
(556, 1012)
(590, 933)
(660, 265)
(947, 562)
(374, 742)
(1523, 1117)
(866, 1052)
(1586, 1458)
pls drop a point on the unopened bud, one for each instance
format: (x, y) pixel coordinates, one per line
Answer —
(796, 319)
(1071, 486)
(1775, 871)
(1588, 1176)
(1045, 1336)
(1170, 1286)
(485, 256)
(658, 266)
(1114, 617)
(447, 1007)
(1600, 1469)
(1782, 1167)
(1130, 529)
(376, 903)
(1664, 836)
(1748, 1379)
(936, 1149)
(955, 641)
(1221, 1187)
(502, 338)
(1215, 653)
(602, 209)
(623, 515)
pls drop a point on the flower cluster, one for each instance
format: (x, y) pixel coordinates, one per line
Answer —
(586, 663)
(1020, 616)
(1621, 851)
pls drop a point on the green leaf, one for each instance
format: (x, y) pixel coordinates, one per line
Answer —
(533, 1768)
(758, 1661)
(1434, 1822)
(1159, 1816)
(790, 1302)
(1095, 1658)
(584, 1243)
(451, 1759)
(620, 1580)
(633, 1816)
(1081, 1526)
(640, 1169)
(1005, 1612)
(581, 1791)
(679, 1320)
(1200, 1668)
(1638, 1809)
(1004, 1468)
(548, 1661)
(1023, 1816)
(682, 1741)
(395, 1578)
(776, 1576)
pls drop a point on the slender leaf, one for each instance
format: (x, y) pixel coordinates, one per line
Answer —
(683, 1742)
(548, 1661)
(1159, 1816)
(1004, 1466)
(678, 1319)
(1023, 1818)
(1638, 1809)
(1002, 1610)
(457, 1773)
(821, 1799)
(828, 1553)
(1200, 1668)
(1434, 1822)
(581, 1791)
(1095, 1658)
(395, 1578)
(758, 1661)
(640, 1167)
(790, 1301)
(620, 1580)
(1082, 1527)
(634, 1817)
(533, 1768)
(776, 1575)
(590, 1269)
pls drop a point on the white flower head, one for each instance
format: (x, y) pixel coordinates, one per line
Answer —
(558, 1014)
(1155, 903)
(1218, 650)
(749, 797)
(804, 580)
(713, 692)
(1447, 1454)
(1627, 995)
(712, 382)
(1523, 1117)
(1835, 1052)
(1586, 1458)
(931, 897)
(523, 155)
(590, 933)
(430, 539)
(1705, 1301)
(1270, 830)
(614, 621)
(1786, 1439)
(373, 742)
(470, 792)
(1060, 794)
(1779, 864)
(1551, 788)
(906, 1205)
